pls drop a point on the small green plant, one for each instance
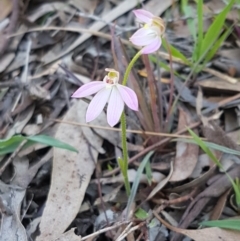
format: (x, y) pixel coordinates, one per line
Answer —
(206, 45)
(11, 144)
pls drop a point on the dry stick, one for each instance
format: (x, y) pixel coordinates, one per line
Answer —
(104, 230)
(13, 155)
(131, 230)
(152, 90)
(165, 203)
(119, 130)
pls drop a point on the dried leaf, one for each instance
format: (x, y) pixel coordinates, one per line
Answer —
(161, 184)
(205, 234)
(6, 59)
(6, 7)
(69, 236)
(12, 197)
(70, 176)
(186, 154)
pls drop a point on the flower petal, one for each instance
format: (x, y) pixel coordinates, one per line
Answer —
(143, 37)
(88, 89)
(143, 15)
(97, 104)
(154, 46)
(115, 107)
(128, 96)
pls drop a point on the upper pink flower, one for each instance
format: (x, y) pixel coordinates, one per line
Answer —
(109, 91)
(149, 36)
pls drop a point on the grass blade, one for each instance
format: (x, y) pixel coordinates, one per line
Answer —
(212, 146)
(233, 224)
(214, 30)
(217, 45)
(175, 52)
(187, 11)
(136, 181)
(198, 45)
(50, 141)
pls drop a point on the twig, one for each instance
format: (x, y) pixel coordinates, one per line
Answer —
(130, 231)
(104, 230)
(119, 130)
(166, 203)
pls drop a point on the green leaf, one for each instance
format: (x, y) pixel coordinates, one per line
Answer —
(236, 187)
(187, 11)
(121, 164)
(198, 45)
(137, 180)
(141, 214)
(211, 145)
(164, 66)
(50, 141)
(175, 52)
(216, 46)
(149, 172)
(204, 147)
(9, 145)
(233, 224)
(214, 30)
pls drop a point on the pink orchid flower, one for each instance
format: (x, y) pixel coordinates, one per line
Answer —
(149, 36)
(109, 91)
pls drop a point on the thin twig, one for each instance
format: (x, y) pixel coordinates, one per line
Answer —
(104, 230)
(130, 231)
(119, 130)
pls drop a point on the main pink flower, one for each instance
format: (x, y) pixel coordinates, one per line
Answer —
(109, 91)
(149, 36)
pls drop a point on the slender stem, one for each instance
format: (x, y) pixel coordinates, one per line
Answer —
(129, 67)
(125, 153)
(124, 166)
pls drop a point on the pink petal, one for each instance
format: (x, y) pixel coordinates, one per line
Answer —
(128, 96)
(154, 46)
(97, 104)
(143, 15)
(88, 89)
(115, 107)
(143, 37)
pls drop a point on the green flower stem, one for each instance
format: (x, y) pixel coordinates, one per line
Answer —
(124, 168)
(124, 161)
(129, 67)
